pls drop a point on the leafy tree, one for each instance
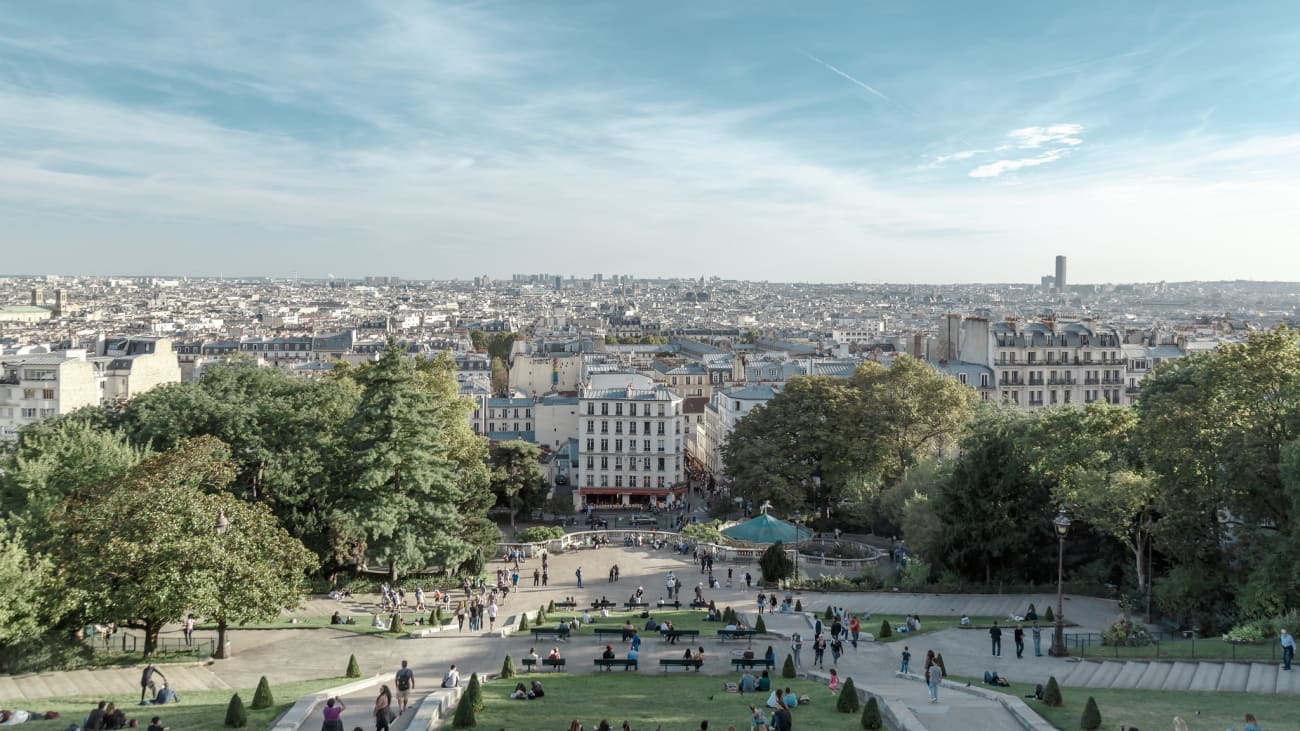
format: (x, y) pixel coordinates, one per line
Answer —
(500, 378)
(262, 697)
(871, 720)
(1091, 718)
(848, 699)
(478, 339)
(23, 590)
(1052, 693)
(236, 715)
(517, 477)
(775, 563)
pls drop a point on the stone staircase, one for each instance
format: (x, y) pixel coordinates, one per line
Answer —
(108, 683)
(1241, 677)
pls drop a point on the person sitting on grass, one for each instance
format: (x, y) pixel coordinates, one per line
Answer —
(114, 718)
(156, 724)
(377, 622)
(789, 699)
(537, 690)
(166, 695)
(747, 683)
(764, 682)
(574, 725)
(520, 692)
(336, 618)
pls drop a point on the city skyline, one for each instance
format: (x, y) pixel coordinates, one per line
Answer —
(922, 144)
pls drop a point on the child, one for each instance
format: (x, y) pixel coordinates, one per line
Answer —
(907, 658)
(834, 685)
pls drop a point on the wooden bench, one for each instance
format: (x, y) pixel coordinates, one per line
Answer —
(680, 633)
(725, 634)
(530, 664)
(553, 663)
(752, 662)
(613, 662)
(610, 632)
(566, 605)
(629, 606)
(699, 605)
(603, 605)
(559, 634)
(674, 604)
(680, 662)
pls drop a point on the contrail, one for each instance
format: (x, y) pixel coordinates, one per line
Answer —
(856, 82)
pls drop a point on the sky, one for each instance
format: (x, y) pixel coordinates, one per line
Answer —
(917, 141)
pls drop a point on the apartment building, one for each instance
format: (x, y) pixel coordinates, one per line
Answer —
(1047, 363)
(36, 387)
(630, 441)
(725, 408)
(130, 366)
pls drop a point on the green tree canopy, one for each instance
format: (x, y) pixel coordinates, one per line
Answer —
(517, 477)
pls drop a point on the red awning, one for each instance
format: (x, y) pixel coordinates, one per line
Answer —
(632, 491)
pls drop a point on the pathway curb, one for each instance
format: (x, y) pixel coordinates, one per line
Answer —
(297, 715)
(1024, 715)
(896, 714)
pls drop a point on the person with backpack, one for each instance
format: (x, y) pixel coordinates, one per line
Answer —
(405, 682)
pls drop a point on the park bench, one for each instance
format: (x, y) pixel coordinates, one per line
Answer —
(554, 663)
(674, 604)
(530, 664)
(603, 604)
(637, 605)
(566, 605)
(691, 634)
(699, 604)
(726, 634)
(680, 662)
(609, 632)
(752, 662)
(613, 662)
(557, 633)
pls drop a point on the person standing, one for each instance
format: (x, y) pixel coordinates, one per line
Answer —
(492, 616)
(1038, 639)
(188, 629)
(383, 709)
(837, 649)
(578, 574)
(405, 682)
(933, 675)
(545, 575)
(1288, 649)
(995, 635)
(907, 658)
(147, 685)
(537, 577)
(855, 629)
(796, 644)
(817, 628)
(819, 651)
(1019, 636)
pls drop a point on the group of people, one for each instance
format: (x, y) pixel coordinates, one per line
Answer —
(1018, 635)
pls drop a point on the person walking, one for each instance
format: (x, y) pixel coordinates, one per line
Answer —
(995, 635)
(537, 577)
(405, 682)
(1038, 639)
(1288, 649)
(907, 658)
(545, 575)
(796, 644)
(578, 574)
(188, 630)
(492, 616)
(934, 675)
(837, 649)
(855, 629)
(819, 651)
(383, 711)
(1019, 636)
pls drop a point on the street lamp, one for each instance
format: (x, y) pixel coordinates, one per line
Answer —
(221, 652)
(1062, 526)
(223, 523)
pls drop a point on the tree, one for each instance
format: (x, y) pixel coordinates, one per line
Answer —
(871, 720)
(760, 626)
(500, 378)
(787, 669)
(262, 697)
(236, 715)
(354, 670)
(848, 699)
(1091, 718)
(886, 629)
(478, 339)
(405, 499)
(775, 563)
(146, 550)
(23, 590)
(1052, 693)
(508, 666)
(517, 477)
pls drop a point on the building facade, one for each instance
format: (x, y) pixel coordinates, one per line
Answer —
(631, 448)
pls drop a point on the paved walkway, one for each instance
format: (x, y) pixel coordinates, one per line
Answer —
(298, 654)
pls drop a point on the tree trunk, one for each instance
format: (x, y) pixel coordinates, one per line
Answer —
(392, 573)
(151, 630)
(220, 652)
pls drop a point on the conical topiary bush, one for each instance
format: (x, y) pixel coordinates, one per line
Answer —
(1052, 693)
(1049, 615)
(541, 616)
(886, 629)
(798, 605)
(830, 614)
(397, 626)
(787, 670)
(551, 606)
(466, 714)
(354, 670)
(523, 622)
(871, 715)
(759, 626)
(848, 700)
(262, 697)
(474, 692)
(236, 715)
(508, 668)
(1091, 716)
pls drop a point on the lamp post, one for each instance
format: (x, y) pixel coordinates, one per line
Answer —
(220, 652)
(1062, 526)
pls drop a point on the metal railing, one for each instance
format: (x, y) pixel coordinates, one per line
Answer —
(1171, 646)
(127, 643)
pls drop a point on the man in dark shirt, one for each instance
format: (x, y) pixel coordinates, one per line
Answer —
(609, 652)
(995, 634)
(95, 721)
(146, 680)
(156, 725)
(782, 720)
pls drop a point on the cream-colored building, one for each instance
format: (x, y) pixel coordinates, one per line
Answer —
(130, 366)
(535, 375)
(37, 387)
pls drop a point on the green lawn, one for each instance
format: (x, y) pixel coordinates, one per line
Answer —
(1155, 709)
(677, 701)
(1211, 649)
(197, 711)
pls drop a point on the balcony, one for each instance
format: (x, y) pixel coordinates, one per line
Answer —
(1091, 381)
(1133, 389)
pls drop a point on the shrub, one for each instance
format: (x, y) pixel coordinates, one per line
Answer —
(550, 607)
(508, 668)
(474, 692)
(1091, 716)
(523, 621)
(1052, 693)
(466, 715)
(713, 607)
(262, 697)
(539, 533)
(728, 616)
(775, 563)
(1260, 630)
(435, 617)
(943, 669)
(848, 700)
(886, 629)
(397, 625)
(871, 715)
(236, 715)
(915, 575)
(354, 670)
(704, 532)
(787, 670)
(1124, 632)
(798, 605)
(1049, 615)
(829, 615)
(759, 626)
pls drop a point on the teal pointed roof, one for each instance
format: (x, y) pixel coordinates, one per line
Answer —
(766, 529)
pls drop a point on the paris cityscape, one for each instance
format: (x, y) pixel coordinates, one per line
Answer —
(447, 364)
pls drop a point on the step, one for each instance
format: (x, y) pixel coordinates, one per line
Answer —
(32, 686)
(9, 692)
(1262, 678)
(87, 683)
(1206, 676)
(60, 684)
(1234, 677)
(1106, 674)
(1180, 676)
(1155, 675)
(1129, 675)
(1287, 681)
(1080, 675)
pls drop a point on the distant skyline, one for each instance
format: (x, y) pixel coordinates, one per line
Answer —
(921, 142)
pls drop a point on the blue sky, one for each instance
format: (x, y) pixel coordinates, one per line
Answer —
(860, 141)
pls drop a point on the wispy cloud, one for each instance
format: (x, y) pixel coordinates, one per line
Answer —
(1056, 142)
(1028, 138)
(941, 160)
(994, 169)
(855, 81)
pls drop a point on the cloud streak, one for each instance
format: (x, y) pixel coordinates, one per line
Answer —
(855, 81)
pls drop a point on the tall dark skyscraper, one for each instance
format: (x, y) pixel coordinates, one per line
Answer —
(1060, 274)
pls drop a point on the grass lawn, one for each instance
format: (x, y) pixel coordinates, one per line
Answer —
(1210, 649)
(197, 711)
(677, 701)
(1155, 709)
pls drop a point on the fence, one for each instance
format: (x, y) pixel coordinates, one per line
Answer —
(127, 643)
(1171, 646)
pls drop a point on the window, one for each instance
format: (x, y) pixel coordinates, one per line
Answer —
(40, 374)
(528, 413)
(984, 380)
(604, 445)
(631, 428)
(646, 424)
(661, 428)
(591, 445)
(674, 381)
(645, 445)
(47, 393)
(604, 427)
(618, 463)
(961, 378)
(491, 427)
(29, 413)
(591, 409)
(645, 464)
(516, 425)
(618, 409)
(604, 480)
(516, 415)
(661, 410)
(591, 427)
(618, 427)
(591, 480)
(591, 462)
(618, 445)
(618, 480)
(604, 463)
(29, 393)
(604, 409)
(661, 464)
(661, 482)
(528, 426)
(661, 445)
(645, 481)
